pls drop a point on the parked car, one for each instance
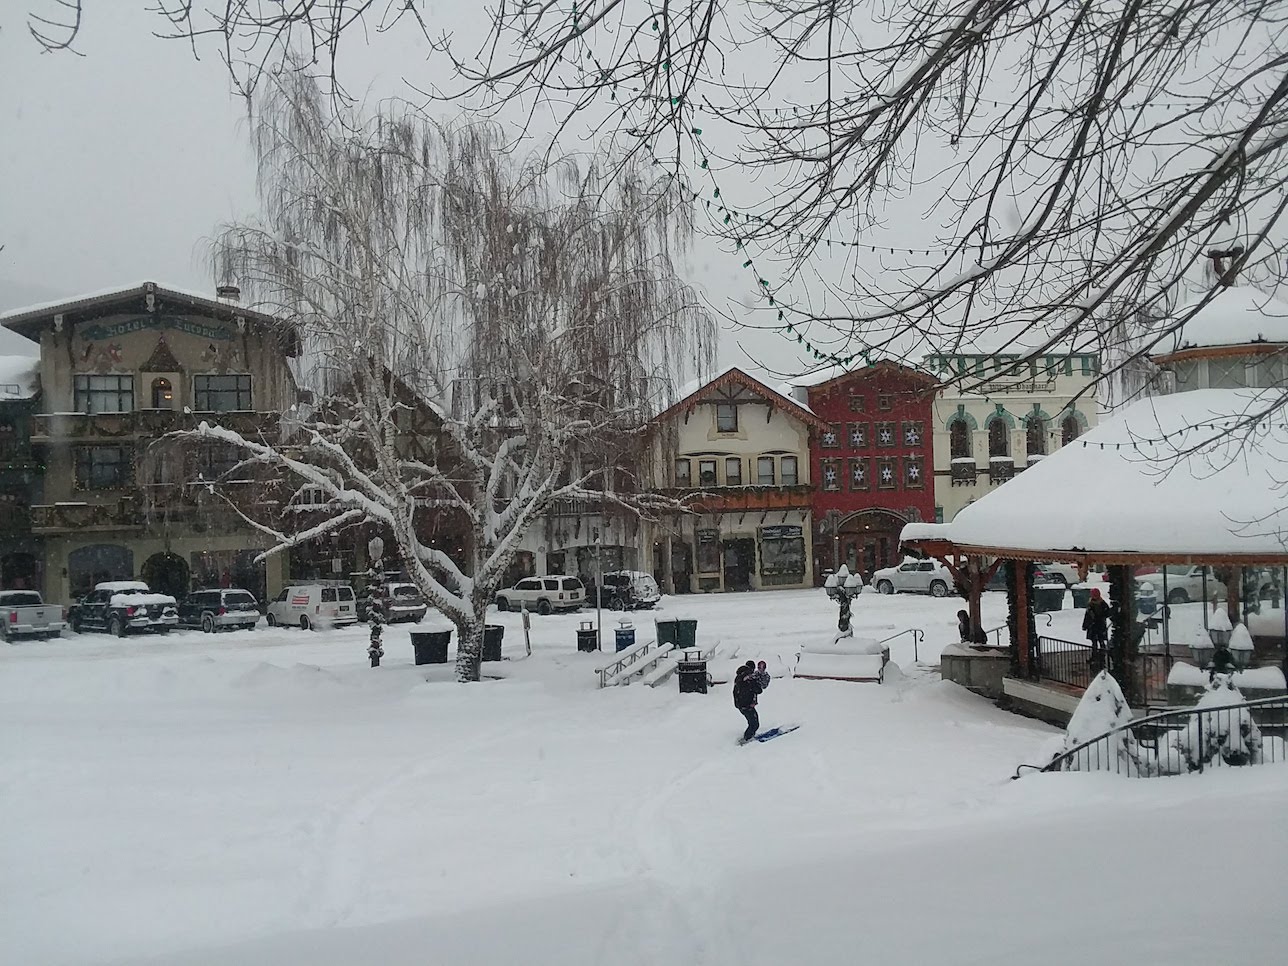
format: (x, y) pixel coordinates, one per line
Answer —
(1056, 573)
(121, 607)
(1185, 583)
(219, 610)
(916, 577)
(628, 590)
(402, 602)
(313, 605)
(24, 613)
(543, 594)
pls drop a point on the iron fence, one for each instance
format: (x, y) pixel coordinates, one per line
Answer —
(1068, 662)
(1211, 735)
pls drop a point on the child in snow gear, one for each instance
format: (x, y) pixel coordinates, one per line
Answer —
(762, 676)
(745, 690)
(1095, 624)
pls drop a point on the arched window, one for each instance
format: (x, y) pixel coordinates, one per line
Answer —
(1036, 436)
(959, 439)
(999, 439)
(162, 393)
(1070, 429)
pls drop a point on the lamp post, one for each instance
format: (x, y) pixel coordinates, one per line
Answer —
(843, 586)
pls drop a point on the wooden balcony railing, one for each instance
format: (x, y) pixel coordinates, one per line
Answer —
(122, 514)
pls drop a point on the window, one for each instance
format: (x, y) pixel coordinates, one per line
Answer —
(707, 472)
(858, 435)
(162, 393)
(733, 471)
(215, 460)
(328, 595)
(726, 418)
(102, 467)
(999, 439)
(787, 471)
(782, 555)
(765, 471)
(913, 472)
(1187, 375)
(571, 583)
(959, 440)
(885, 402)
(887, 474)
(1268, 371)
(857, 404)
(831, 475)
(1070, 429)
(1035, 436)
(682, 477)
(104, 394)
(551, 583)
(885, 434)
(858, 474)
(1227, 374)
(831, 438)
(221, 394)
(913, 432)
(1089, 365)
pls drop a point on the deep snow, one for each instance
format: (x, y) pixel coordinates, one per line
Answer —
(265, 797)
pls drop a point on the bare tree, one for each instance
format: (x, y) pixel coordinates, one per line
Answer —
(532, 312)
(1077, 159)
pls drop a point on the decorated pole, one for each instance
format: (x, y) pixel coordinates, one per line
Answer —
(376, 599)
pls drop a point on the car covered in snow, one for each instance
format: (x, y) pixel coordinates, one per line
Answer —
(543, 594)
(401, 602)
(123, 607)
(628, 590)
(914, 577)
(219, 610)
(310, 606)
(24, 613)
(1189, 582)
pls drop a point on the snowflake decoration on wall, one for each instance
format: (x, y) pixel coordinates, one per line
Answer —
(887, 437)
(829, 438)
(914, 471)
(912, 437)
(887, 474)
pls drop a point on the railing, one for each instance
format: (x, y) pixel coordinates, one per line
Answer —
(1067, 662)
(918, 636)
(1182, 741)
(122, 514)
(963, 473)
(623, 660)
(1000, 469)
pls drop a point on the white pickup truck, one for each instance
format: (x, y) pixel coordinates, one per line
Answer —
(23, 613)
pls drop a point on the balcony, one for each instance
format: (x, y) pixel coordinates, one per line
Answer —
(78, 427)
(963, 471)
(724, 499)
(1000, 469)
(123, 514)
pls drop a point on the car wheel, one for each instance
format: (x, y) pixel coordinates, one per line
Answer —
(304, 623)
(617, 604)
(938, 588)
(885, 587)
(1178, 596)
(115, 627)
(272, 621)
(207, 623)
(543, 607)
(502, 604)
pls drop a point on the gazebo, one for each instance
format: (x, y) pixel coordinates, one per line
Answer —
(1191, 482)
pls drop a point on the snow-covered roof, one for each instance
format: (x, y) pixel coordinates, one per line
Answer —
(737, 375)
(19, 377)
(1167, 475)
(1238, 315)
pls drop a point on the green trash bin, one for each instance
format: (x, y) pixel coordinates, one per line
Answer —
(668, 632)
(688, 634)
(492, 636)
(1081, 597)
(430, 647)
(1048, 597)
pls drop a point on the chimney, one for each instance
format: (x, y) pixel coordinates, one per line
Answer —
(228, 293)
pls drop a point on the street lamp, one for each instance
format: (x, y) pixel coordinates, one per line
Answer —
(843, 587)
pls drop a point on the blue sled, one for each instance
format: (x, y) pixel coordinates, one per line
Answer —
(775, 732)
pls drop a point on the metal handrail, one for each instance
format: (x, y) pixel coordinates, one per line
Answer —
(1176, 715)
(918, 636)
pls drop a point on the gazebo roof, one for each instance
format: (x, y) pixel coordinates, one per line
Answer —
(1238, 315)
(1168, 478)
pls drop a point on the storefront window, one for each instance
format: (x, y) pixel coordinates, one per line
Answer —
(708, 551)
(782, 555)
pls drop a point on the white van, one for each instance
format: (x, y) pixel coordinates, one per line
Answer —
(313, 605)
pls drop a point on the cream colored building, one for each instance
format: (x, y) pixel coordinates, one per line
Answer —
(119, 371)
(983, 438)
(737, 452)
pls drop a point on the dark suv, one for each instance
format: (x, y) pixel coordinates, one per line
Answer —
(219, 610)
(122, 606)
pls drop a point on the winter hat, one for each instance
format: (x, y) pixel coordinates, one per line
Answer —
(760, 665)
(1095, 593)
(750, 665)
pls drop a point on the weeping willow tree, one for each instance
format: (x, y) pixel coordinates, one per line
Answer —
(485, 336)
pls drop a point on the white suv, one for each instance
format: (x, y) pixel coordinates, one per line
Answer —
(914, 576)
(543, 594)
(314, 605)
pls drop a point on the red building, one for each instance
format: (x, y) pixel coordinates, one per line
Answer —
(873, 469)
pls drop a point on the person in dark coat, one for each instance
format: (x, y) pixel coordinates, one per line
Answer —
(745, 691)
(1095, 622)
(966, 634)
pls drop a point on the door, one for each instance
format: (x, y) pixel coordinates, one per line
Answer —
(739, 563)
(925, 573)
(681, 567)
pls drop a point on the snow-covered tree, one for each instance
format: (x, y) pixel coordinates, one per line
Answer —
(484, 337)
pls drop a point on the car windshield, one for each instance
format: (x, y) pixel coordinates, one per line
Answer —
(239, 598)
(19, 599)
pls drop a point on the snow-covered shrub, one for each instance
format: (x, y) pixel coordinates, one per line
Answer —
(1221, 733)
(1102, 710)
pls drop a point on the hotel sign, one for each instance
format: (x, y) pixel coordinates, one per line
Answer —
(99, 332)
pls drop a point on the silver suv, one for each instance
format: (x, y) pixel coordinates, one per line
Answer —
(916, 577)
(543, 594)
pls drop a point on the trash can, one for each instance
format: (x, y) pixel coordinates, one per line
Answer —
(1048, 597)
(431, 646)
(1081, 597)
(668, 632)
(587, 638)
(687, 634)
(492, 635)
(692, 674)
(625, 635)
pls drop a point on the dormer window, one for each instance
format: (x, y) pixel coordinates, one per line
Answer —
(162, 393)
(726, 418)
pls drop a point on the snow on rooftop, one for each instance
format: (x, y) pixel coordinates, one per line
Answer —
(123, 289)
(1123, 488)
(1239, 315)
(19, 377)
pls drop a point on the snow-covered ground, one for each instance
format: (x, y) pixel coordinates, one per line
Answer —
(265, 797)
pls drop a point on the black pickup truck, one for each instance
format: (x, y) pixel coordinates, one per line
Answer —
(121, 607)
